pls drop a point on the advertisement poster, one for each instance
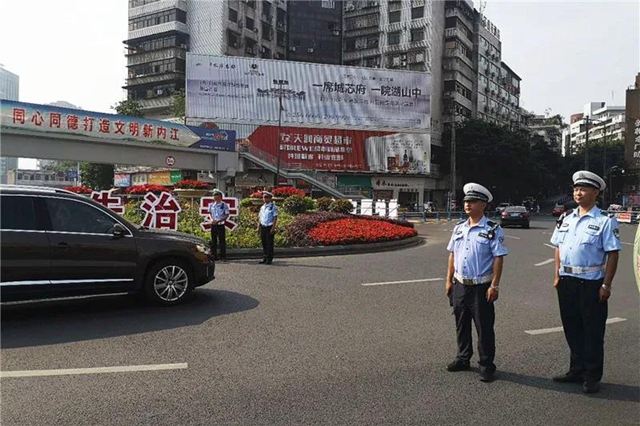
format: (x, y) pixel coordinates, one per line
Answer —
(249, 90)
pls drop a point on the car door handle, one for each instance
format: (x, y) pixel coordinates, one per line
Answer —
(64, 246)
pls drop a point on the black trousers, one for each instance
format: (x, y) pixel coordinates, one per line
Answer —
(267, 239)
(584, 320)
(219, 239)
(470, 304)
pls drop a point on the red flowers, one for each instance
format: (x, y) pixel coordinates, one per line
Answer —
(78, 189)
(354, 230)
(143, 189)
(191, 184)
(283, 191)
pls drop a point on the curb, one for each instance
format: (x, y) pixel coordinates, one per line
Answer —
(328, 250)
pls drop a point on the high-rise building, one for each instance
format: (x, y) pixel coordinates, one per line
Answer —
(314, 31)
(9, 90)
(632, 142)
(161, 32)
(599, 120)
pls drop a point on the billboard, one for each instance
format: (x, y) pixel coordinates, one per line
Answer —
(333, 149)
(248, 90)
(66, 121)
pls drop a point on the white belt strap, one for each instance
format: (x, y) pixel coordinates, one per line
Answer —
(472, 281)
(582, 269)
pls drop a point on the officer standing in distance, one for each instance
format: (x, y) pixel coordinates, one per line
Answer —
(219, 212)
(587, 244)
(268, 218)
(473, 278)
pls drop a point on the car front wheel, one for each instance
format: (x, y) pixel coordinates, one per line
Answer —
(168, 282)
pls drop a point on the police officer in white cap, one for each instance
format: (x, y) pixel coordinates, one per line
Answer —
(473, 278)
(219, 213)
(268, 219)
(587, 244)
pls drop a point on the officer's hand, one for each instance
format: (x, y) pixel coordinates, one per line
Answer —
(273, 230)
(556, 282)
(604, 294)
(449, 288)
(492, 295)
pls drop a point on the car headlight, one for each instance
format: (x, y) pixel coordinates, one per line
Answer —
(203, 249)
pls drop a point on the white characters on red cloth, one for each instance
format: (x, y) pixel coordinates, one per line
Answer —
(233, 212)
(161, 211)
(110, 201)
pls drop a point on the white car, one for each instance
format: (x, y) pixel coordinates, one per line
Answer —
(502, 206)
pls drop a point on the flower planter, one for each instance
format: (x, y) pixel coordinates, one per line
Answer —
(191, 193)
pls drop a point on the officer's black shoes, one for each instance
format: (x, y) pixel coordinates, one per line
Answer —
(487, 376)
(263, 261)
(457, 366)
(569, 377)
(269, 262)
(590, 387)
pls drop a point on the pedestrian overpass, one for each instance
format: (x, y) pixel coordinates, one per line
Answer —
(43, 131)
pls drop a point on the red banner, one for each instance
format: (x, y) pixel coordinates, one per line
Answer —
(320, 149)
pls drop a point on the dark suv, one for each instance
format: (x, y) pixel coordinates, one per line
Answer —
(55, 243)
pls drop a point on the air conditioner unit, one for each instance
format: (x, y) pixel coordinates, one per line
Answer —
(396, 61)
(263, 49)
(159, 92)
(310, 50)
(349, 8)
(292, 48)
(420, 57)
(184, 46)
(237, 45)
(255, 30)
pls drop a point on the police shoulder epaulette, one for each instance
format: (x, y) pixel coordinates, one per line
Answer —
(606, 213)
(460, 222)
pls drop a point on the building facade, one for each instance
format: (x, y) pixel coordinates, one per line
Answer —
(161, 32)
(598, 122)
(9, 90)
(314, 31)
(632, 141)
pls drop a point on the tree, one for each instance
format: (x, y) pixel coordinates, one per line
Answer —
(97, 176)
(129, 107)
(60, 166)
(178, 105)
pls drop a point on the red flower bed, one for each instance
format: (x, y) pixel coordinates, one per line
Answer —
(143, 189)
(283, 192)
(78, 189)
(191, 184)
(352, 231)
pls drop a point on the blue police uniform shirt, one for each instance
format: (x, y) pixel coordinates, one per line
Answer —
(268, 213)
(218, 211)
(474, 250)
(585, 241)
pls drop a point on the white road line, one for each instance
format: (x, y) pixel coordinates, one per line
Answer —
(550, 246)
(557, 329)
(98, 370)
(546, 262)
(629, 244)
(512, 237)
(405, 282)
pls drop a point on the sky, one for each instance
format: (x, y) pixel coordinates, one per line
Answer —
(567, 53)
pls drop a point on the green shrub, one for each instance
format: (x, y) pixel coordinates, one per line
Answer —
(341, 206)
(295, 204)
(310, 202)
(324, 203)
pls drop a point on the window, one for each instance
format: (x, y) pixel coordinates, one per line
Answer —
(77, 216)
(249, 23)
(395, 17)
(417, 12)
(266, 31)
(393, 38)
(233, 15)
(417, 34)
(17, 213)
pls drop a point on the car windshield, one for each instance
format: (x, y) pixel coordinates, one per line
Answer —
(516, 209)
(504, 205)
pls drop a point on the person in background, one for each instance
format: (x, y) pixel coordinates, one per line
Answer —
(267, 221)
(219, 213)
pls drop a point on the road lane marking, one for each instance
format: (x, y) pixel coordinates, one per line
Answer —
(97, 370)
(546, 262)
(558, 329)
(629, 244)
(549, 245)
(405, 282)
(512, 237)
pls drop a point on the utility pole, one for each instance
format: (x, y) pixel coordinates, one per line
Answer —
(280, 84)
(586, 145)
(453, 159)
(604, 164)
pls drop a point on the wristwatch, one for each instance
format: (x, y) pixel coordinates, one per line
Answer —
(606, 287)
(496, 288)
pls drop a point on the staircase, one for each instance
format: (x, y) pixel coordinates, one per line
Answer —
(288, 170)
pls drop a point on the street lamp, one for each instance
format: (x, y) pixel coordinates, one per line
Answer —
(280, 84)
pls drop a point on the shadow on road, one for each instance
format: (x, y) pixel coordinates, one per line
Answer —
(608, 391)
(54, 322)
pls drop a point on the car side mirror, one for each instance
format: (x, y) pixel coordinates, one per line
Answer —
(119, 231)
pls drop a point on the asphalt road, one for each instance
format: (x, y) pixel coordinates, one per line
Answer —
(305, 342)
